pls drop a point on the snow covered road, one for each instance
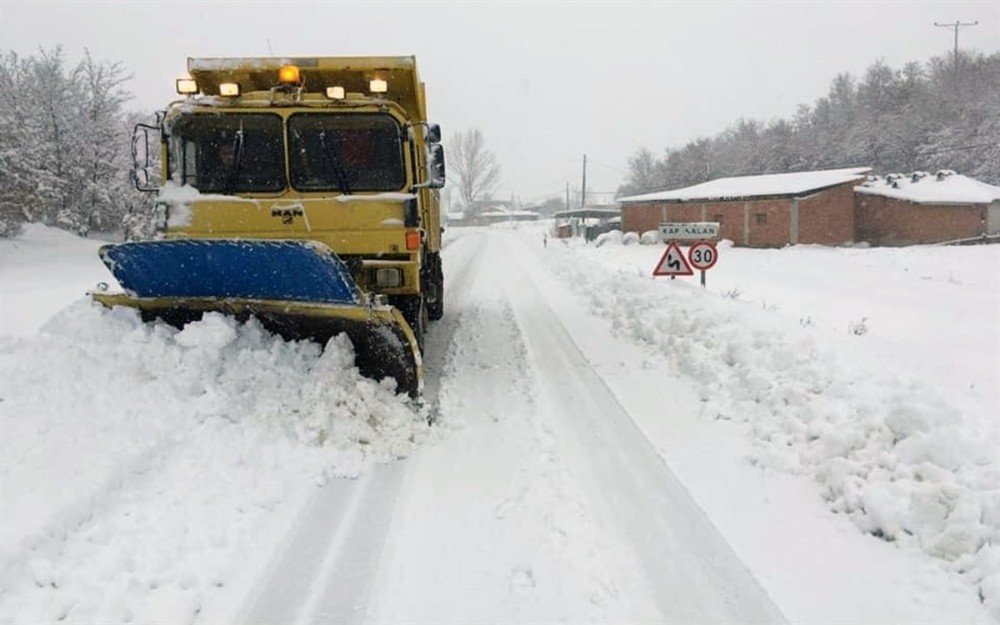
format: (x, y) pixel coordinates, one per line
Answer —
(219, 475)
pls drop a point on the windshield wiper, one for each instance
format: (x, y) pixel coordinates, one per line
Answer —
(334, 164)
(234, 170)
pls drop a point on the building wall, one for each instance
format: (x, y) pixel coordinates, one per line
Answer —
(825, 217)
(730, 216)
(828, 217)
(642, 217)
(767, 223)
(888, 221)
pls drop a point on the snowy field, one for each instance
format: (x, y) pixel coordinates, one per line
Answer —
(813, 438)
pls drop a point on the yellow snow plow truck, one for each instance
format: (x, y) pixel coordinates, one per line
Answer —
(299, 191)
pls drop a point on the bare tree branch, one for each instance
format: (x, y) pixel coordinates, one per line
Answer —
(474, 166)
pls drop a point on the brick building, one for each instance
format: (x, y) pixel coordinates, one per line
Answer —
(925, 208)
(758, 211)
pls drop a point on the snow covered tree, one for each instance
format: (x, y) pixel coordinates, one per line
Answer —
(643, 174)
(104, 163)
(64, 144)
(52, 92)
(19, 162)
(892, 120)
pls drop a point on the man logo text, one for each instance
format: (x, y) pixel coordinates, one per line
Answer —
(287, 215)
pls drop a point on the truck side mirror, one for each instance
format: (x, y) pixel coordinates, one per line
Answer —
(140, 177)
(433, 133)
(143, 172)
(435, 166)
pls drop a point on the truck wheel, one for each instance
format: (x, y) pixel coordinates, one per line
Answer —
(435, 304)
(415, 312)
(435, 309)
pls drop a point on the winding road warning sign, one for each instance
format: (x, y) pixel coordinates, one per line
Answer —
(673, 263)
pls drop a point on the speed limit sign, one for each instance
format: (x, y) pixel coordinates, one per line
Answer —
(702, 255)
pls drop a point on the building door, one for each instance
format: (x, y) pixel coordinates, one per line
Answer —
(993, 218)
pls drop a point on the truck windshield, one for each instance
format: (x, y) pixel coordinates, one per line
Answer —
(229, 153)
(346, 153)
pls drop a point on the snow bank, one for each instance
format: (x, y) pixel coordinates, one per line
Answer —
(651, 237)
(137, 461)
(44, 270)
(900, 460)
(614, 237)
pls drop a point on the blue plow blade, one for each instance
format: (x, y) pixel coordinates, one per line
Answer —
(301, 271)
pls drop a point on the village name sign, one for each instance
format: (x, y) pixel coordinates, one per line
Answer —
(693, 231)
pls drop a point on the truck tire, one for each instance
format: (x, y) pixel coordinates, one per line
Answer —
(435, 287)
(415, 312)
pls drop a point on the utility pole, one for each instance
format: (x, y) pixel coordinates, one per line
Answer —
(567, 196)
(955, 27)
(583, 191)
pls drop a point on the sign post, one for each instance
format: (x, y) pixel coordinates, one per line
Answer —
(702, 254)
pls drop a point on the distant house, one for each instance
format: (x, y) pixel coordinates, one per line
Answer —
(455, 218)
(478, 207)
(498, 214)
(587, 222)
(925, 208)
(758, 211)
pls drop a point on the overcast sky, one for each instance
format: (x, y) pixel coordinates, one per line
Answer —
(545, 82)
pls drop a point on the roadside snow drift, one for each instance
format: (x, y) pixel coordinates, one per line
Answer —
(904, 461)
(143, 460)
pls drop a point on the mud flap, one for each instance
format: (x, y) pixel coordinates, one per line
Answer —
(298, 289)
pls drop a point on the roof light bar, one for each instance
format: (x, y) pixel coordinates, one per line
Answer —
(186, 86)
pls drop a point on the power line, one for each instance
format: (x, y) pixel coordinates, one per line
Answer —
(964, 147)
(618, 169)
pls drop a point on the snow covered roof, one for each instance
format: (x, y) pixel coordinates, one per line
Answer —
(583, 213)
(942, 187)
(739, 187)
(514, 214)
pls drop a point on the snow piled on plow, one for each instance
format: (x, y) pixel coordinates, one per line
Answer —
(155, 455)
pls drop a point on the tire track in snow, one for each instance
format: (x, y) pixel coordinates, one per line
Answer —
(322, 574)
(696, 575)
(490, 526)
(458, 286)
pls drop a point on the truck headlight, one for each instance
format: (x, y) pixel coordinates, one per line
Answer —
(186, 86)
(229, 89)
(389, 277)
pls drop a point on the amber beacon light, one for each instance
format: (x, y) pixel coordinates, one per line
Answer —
(289, 75)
